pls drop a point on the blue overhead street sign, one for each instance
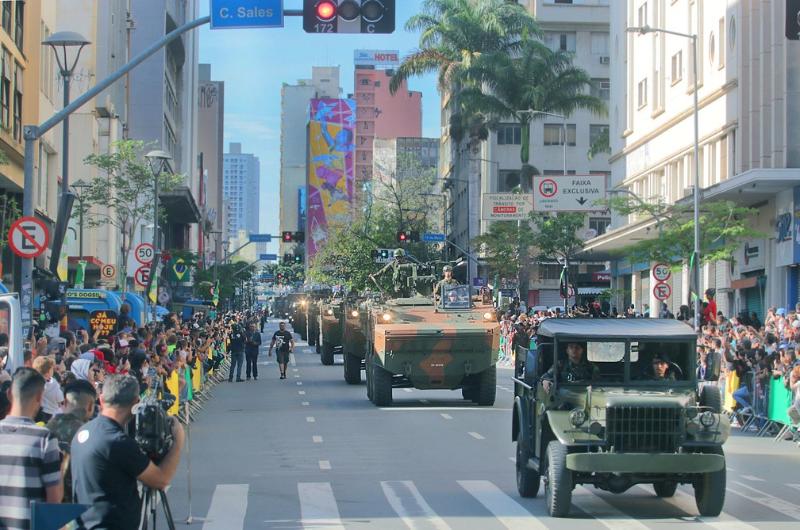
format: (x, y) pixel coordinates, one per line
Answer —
(231, 14)
(268, 257)
(432, 238)
(260, 238)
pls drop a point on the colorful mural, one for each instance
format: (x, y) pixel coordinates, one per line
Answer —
(331, 145)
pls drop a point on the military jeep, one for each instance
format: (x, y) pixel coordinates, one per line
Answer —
(615, 403)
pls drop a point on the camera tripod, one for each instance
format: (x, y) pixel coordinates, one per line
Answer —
(151, 497)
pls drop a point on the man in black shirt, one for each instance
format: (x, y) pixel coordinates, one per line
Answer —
(251, 351)
(284, 341)
(106, 462)
(236, 348)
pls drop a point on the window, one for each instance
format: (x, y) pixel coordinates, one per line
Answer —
(599, 224)
(5, 91)
(19, 24)
(601, 88)
(721, 64)
(18, 102)
(549, 272)
(170, 142)
(509, 134)
(7, 17)
(599, 43)
(564, 41)
(553, 134)
(642, 93)
(642, 15)
(595, 131)
(365, 81)
(677, 67)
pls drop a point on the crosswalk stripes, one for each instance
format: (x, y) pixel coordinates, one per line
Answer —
(507, 511)
(765, 499)
(318, 507)
(228, 507)
(407, 502)
(606, 513)
(725, 521)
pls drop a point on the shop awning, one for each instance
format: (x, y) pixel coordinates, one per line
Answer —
(592, 290)
(751, 187)
(744, 283)
(180, 206)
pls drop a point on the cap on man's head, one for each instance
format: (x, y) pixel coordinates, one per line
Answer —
(660, 358)
(447, 268)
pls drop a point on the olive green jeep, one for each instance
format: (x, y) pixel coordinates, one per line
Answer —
(614, 403)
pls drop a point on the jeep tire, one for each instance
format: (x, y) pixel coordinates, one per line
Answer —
(711, 398)
(665, 489)
(528, 480)
(709, 489)
(558, 485)
(486, 389)
(327, 353)
(352, 369)
(381, 386)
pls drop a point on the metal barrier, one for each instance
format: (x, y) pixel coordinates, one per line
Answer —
(766, 412)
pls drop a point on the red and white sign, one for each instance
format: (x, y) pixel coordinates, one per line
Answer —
(548, 188)
(28, 237)
(142, 276)
(570, 292)
(144, 253)
(662, 291)
(569, 193)
(601, 276)
(661, 272)
(506, 206)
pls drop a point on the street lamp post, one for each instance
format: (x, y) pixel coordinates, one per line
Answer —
(158, 160)
(80, 185)
(696, 261)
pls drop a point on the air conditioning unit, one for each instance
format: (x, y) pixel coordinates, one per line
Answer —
(605, 59)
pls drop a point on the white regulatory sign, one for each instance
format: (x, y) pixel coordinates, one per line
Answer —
(506, 206)
(568, 193)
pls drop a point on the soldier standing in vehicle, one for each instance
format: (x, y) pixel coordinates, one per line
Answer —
(401, 271)
(574, 369)
(448, 280)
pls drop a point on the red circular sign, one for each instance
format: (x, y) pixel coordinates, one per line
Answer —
(548, 188)
(661, 272)
(144, 253)
(142, 275)
(662, 291)
(28, 237)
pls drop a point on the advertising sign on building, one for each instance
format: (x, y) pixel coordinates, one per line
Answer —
(331, 164)
(751, 255)
(568, 193)
(377, 58)
(506, 206)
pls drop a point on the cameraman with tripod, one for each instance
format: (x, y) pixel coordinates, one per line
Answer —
(106, 462)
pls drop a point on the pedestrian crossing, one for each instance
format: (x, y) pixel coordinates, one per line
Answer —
(481, 504)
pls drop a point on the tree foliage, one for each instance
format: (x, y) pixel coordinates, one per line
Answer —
(555, 236)
(506, 246)
(724, 226)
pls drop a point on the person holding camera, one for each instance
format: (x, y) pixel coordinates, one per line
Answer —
(107, 462)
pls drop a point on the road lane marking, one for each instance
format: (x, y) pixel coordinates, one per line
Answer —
(318, 506)
(407, 390)
(770, 501)
(317, 439)
(476, 435)
(299, 383)
(228, 507)
(424, 401)
(301, 392)
(310, 419)
(306, 403)
(507, 511)
(408, 504)
(297, 376)
(446, 416)
(725, 521)
(751, 478)
(603, 511)
(295, 370)
(325, 465)
(513, 459)
(292, 360)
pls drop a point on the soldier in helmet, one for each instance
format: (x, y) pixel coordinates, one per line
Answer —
(448, 280)
(401, 271)
(575, 368)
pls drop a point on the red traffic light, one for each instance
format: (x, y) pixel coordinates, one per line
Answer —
(287, 237)
(326, 10)
(402, 236)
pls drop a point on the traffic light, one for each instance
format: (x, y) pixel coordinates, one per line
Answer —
(299, 237)
(348, 16)
(287, 237)
(403, 236)
(288, 259)
(298, 258)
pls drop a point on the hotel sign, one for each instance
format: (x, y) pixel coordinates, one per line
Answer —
(382, 58)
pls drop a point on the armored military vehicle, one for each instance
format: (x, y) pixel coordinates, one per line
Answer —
(354, 314)
(614, 403)
(424, 343)
(330, 325)
(298, 313)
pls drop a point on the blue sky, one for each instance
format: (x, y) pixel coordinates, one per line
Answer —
(254, 63)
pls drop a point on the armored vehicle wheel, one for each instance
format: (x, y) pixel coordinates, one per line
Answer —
(709, 489)
(665, 489)
(352, 369)
(711, 397)
(486, 389)
(327, 353)
(312, 339)
(468, 391)
(381, 387)
(369, 380)
(318, 348)
(558, 483)
(528, 480)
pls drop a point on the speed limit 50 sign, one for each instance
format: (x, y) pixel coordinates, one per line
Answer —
(144, 253)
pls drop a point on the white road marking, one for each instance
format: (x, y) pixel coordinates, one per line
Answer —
(770, 501)
(297, 376)
(292, 360)
(794, 486)
(603, 511)
(228, 507)
(317, 439)
(407, 390)
(508, 512)
(408, 504)
(424, 401)
(725, 521)
(447, 416)
(295, 370)
(751, 478)
(299, 383)
(325, 465)
(310, 419)
(306, 403)
(513, 459)
(301, 392)
(318, 506)
(476, 435)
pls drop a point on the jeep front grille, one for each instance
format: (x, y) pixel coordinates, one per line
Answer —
(632, 429)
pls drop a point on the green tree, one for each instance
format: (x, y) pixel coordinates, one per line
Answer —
(507, 246)
(346, 257)
(9, 212)
(554, 236)
(123, 194)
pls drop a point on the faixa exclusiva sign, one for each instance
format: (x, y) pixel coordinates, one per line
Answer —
(568, 193)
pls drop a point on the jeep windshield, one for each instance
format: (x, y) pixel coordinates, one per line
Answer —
(625, 362)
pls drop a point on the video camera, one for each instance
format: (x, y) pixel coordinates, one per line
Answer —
(153, 431)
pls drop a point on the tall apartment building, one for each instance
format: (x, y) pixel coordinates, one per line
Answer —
(749, 116)
(379, 114)
(494, 166)
(241, 188)
(295, 100)
(210, 143)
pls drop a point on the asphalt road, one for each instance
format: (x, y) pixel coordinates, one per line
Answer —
(312, 452)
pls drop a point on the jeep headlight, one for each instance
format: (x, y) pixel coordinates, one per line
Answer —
(577, 417)
(354, 314)
(330, 311)
(386, 317)
(707, 419)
